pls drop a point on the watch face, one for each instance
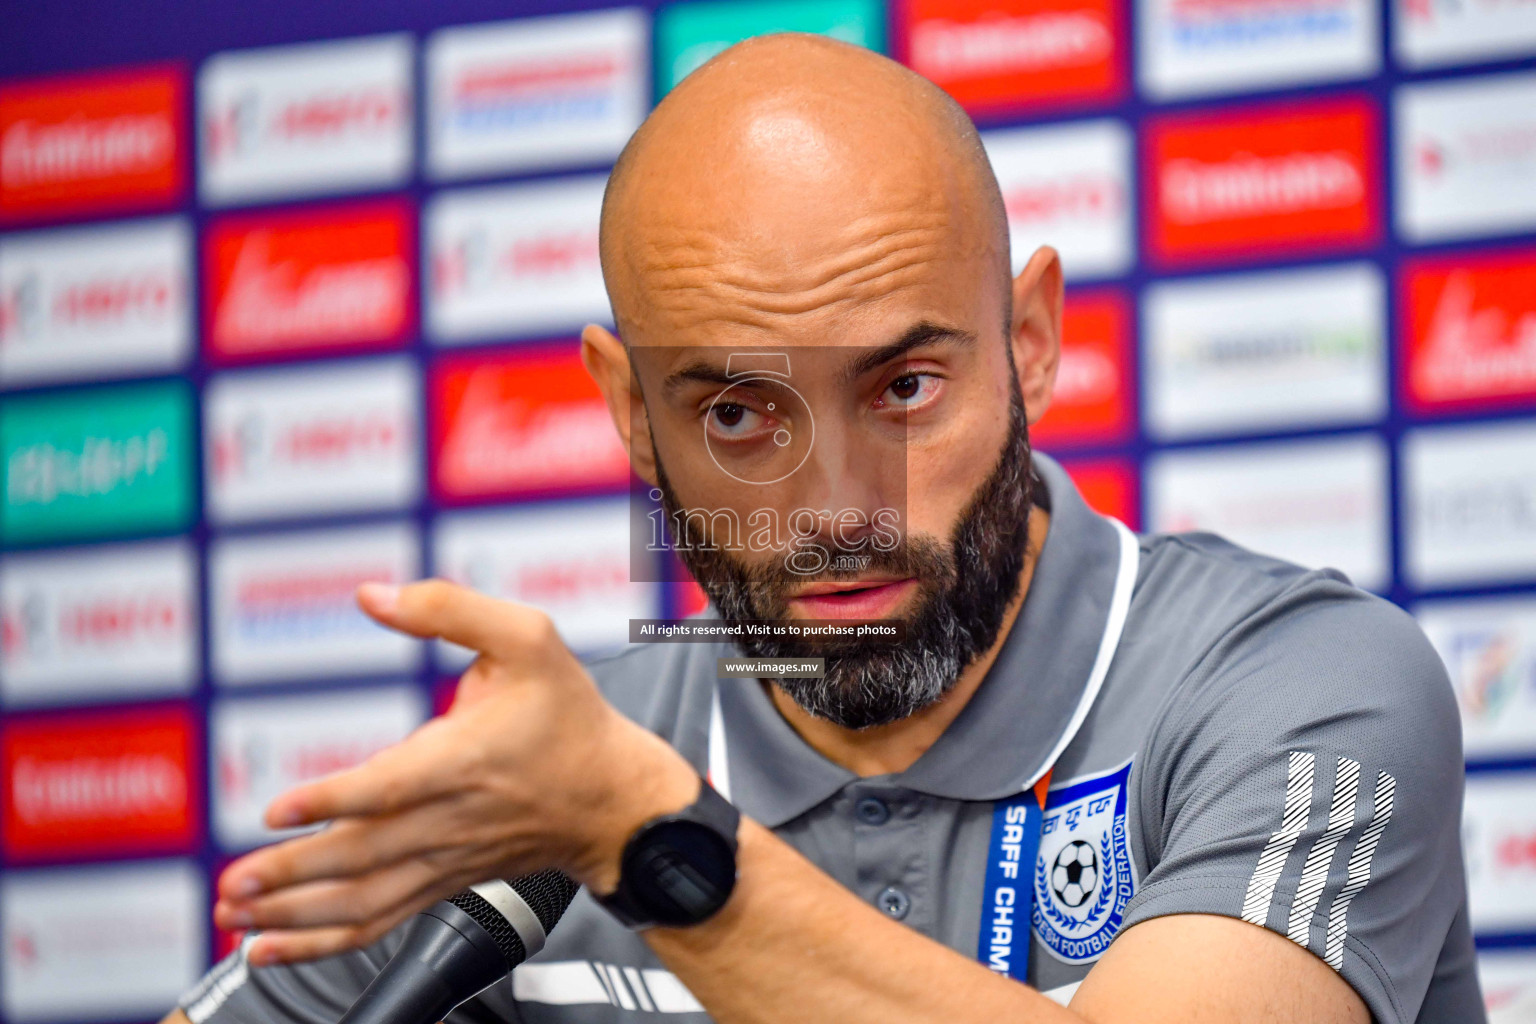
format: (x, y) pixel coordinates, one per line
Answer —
(679, 872)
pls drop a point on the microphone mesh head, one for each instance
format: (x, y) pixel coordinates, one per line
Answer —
(547, 894)
(488, 917)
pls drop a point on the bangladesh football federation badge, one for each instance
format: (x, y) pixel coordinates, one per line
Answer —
(1083, 874)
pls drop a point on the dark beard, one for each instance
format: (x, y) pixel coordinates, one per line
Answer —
(964, 593)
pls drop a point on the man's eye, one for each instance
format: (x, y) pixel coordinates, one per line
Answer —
(910, 389)
(732, 421)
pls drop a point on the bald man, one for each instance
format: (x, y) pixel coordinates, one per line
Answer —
(1099, 777)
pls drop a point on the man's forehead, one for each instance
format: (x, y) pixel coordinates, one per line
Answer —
(803, 269)
(859, 292)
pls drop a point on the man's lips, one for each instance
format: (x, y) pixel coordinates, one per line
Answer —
(853, 599)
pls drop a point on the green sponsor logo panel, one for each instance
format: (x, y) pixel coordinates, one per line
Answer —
(688, 34)
(96, 462)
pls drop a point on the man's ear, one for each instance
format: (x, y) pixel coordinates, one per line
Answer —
(607, 360)
(1035, 333)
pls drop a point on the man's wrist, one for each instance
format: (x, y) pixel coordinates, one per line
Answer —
(679, 868)
(652, 780)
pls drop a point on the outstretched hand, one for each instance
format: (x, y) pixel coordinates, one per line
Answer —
(530, 768)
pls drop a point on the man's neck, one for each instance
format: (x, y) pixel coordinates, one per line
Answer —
(887, 749)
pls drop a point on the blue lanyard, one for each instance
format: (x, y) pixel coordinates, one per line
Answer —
(1002, 943)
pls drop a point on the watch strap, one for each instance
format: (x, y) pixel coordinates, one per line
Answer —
(709, 809)
(716, 811)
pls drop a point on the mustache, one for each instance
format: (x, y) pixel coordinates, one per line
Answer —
(921, 557)
(763, 588)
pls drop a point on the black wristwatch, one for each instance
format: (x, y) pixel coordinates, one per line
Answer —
(678, 869)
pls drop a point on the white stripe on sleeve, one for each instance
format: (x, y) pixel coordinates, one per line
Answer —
(1359, 870)
(576, 982)
(1314, 872)
(219, 984)
(1266, 874)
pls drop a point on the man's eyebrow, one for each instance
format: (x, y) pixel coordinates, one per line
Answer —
(924, 332)
(700, 370)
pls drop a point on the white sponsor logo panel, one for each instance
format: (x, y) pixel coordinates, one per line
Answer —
(573, 562)
(1068, 186)
(1189, 47)
(1431, 33)
(283, 605)
(313, 118)
(510, 260)
(1320, 504)
(535, 92)
(96, 301)
(98, 622)
(1508, 980)
(1498, 832)
(264, 746)
(1266, 351)
(1489, 649)
(333, 437)
(1466, 157)
(116, 942)
(1468, 495)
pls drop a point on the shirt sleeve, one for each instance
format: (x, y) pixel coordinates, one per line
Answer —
(1306, 777)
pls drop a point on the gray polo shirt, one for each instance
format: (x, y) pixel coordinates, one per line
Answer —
(1226, 734)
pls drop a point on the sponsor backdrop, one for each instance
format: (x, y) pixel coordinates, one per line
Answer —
(289, 298)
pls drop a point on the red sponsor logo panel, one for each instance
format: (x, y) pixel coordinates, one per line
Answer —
(1110, 486)
(1469, 327)
(92, 142)
(996, 55)
(306, 281)
(120, 781)
(1302, 177)
(520, 424)
(1095, 382)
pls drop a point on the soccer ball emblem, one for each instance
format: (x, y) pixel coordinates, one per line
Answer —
(1076, 873)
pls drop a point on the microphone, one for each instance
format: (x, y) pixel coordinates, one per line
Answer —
(459, 946)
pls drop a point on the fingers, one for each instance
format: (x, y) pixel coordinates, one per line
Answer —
(439, 609)
(417, 769)
(280, 947)
(345, 902)
(347, 848)
(297, 944)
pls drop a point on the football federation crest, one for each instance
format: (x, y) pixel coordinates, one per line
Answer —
(1083, 872)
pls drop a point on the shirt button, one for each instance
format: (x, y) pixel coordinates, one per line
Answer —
(872, 811)
(894, 902)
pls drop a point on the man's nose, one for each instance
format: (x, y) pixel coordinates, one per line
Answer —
(846, 481)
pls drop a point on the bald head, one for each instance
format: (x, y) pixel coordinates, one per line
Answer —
(795, 175)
